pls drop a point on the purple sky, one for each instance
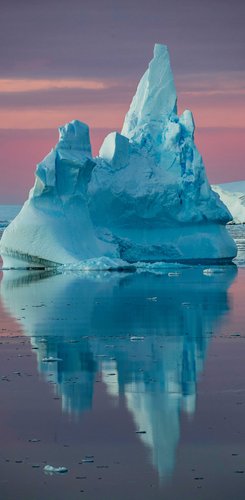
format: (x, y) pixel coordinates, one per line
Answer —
(106, 45)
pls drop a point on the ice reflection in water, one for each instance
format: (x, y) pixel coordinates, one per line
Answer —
(237, 233)
(89, 321)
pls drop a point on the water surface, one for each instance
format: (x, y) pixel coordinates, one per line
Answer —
(132, 381)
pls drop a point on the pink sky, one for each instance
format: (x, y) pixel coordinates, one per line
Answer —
(85, 62)
(30, 132)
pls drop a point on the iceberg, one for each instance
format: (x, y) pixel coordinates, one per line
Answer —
(145, 198)
(233, 196)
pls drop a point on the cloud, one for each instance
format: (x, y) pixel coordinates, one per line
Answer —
(216, 100)
(113, 38)
(60, 97)
(42, 117)
(213, 82)
(33, 85)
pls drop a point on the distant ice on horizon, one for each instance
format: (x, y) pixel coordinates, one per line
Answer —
(233, 196)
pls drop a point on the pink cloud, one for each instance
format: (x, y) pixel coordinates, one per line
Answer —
(34, 85)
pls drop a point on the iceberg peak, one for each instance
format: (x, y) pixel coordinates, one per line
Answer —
(155, 99)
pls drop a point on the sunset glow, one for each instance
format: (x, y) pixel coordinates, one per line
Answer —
(30, 85)
(88, 63)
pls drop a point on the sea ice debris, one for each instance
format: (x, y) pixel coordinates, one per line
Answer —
(49, 469)
(88, 460)
(51, 359)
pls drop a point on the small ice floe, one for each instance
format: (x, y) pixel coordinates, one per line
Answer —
(152, 299)
(49, 469)
(97, 264)
(51, 359)
(88, 460)
(159, 267)
(135, 339)
(213, 270)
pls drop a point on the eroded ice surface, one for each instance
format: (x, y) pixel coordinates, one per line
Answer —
(145, 198)
(54, 225)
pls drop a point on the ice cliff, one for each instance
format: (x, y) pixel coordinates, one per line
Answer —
(145, 198)
(54, 225)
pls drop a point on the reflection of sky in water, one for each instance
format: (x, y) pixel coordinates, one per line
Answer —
(88, 321)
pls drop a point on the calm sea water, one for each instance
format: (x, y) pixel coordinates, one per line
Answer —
(132, 381)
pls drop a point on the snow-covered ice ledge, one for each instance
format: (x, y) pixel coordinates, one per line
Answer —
(145, 198)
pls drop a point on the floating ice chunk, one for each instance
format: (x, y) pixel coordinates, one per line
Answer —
(49, 469)
(98, 264)
(88, 460)
(135, 338)
(162, 267)
(213, 270)
(51, 359)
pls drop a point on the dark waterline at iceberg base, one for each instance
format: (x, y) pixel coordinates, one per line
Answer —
(132, 381)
